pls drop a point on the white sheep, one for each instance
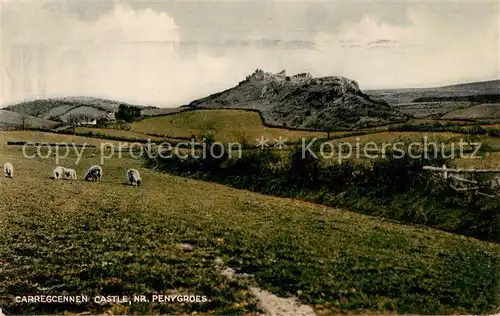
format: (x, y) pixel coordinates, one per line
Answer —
(8, 169)
(58, 172)
(133, 177)
(94, 173)
(69, 174)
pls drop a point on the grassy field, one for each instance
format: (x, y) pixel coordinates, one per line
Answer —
(130, 135)
(492, 126)
(433, 121)
(395, 136)
(244, 126)
(477, 112)
(109, 238)
(39, 137)
(437, 137)
(490, 160)
(9, 118)
(225, 125)
(489, 155)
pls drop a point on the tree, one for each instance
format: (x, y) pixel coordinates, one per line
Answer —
(329, 127)
(128, 113)
(74, 119)
(24, 122)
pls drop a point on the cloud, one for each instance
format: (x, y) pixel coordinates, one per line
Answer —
(118, 55)
(426, 52)
(142, 54)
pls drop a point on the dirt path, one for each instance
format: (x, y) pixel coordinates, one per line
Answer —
(279, 306)
(271, 304)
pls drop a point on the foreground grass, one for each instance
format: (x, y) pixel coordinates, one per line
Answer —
(78, 237)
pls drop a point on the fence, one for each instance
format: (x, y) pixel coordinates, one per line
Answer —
(461, 184)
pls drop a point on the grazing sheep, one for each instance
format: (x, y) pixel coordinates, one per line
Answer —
(94, 173)
(69, 174)
(8, 169)
(133, 177)
(58, 172)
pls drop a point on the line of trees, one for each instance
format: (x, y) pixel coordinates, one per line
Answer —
(128, 113)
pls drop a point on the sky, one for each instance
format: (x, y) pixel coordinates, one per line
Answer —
(168, 53)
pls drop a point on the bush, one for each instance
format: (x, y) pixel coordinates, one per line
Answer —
(393, 188)
(394, 176)
(304, 169)
(128, 113)
(481, 219)
(339, 176)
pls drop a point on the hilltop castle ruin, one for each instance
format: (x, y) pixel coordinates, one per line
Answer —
(261, 75)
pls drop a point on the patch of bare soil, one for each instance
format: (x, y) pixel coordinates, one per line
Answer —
(271, 304)
(279, 306)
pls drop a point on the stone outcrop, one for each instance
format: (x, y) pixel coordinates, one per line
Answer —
(303, 101)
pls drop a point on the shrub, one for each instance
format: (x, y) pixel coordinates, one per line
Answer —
(128, 113)
(304, 169)
(393, 188)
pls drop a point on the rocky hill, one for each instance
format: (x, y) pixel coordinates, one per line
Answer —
(302, 101)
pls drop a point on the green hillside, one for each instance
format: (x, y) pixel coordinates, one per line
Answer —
(224, 125)
(16, 120)
(108, 238)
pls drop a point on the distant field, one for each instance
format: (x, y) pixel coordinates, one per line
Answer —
(119, 133)
(477, 112)
(9, 118)
(225, 125)
(68, 238)
(39, 137)
(491, 160)
(160, 111)
(421, 122)
(380, 137)
(398, 96)
(440, 121)
(492, 126)
(425, 109)
(396, 136)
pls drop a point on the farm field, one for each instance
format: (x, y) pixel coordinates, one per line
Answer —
(243, 126)
(395, 136)
(425, 109)
(110, 238)
(490, 160)
(437, 137)
(39, 137)
(478, 112)
(119, 133)
(224, 125)
(434, 121)
(489, 156)
(492, 126)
